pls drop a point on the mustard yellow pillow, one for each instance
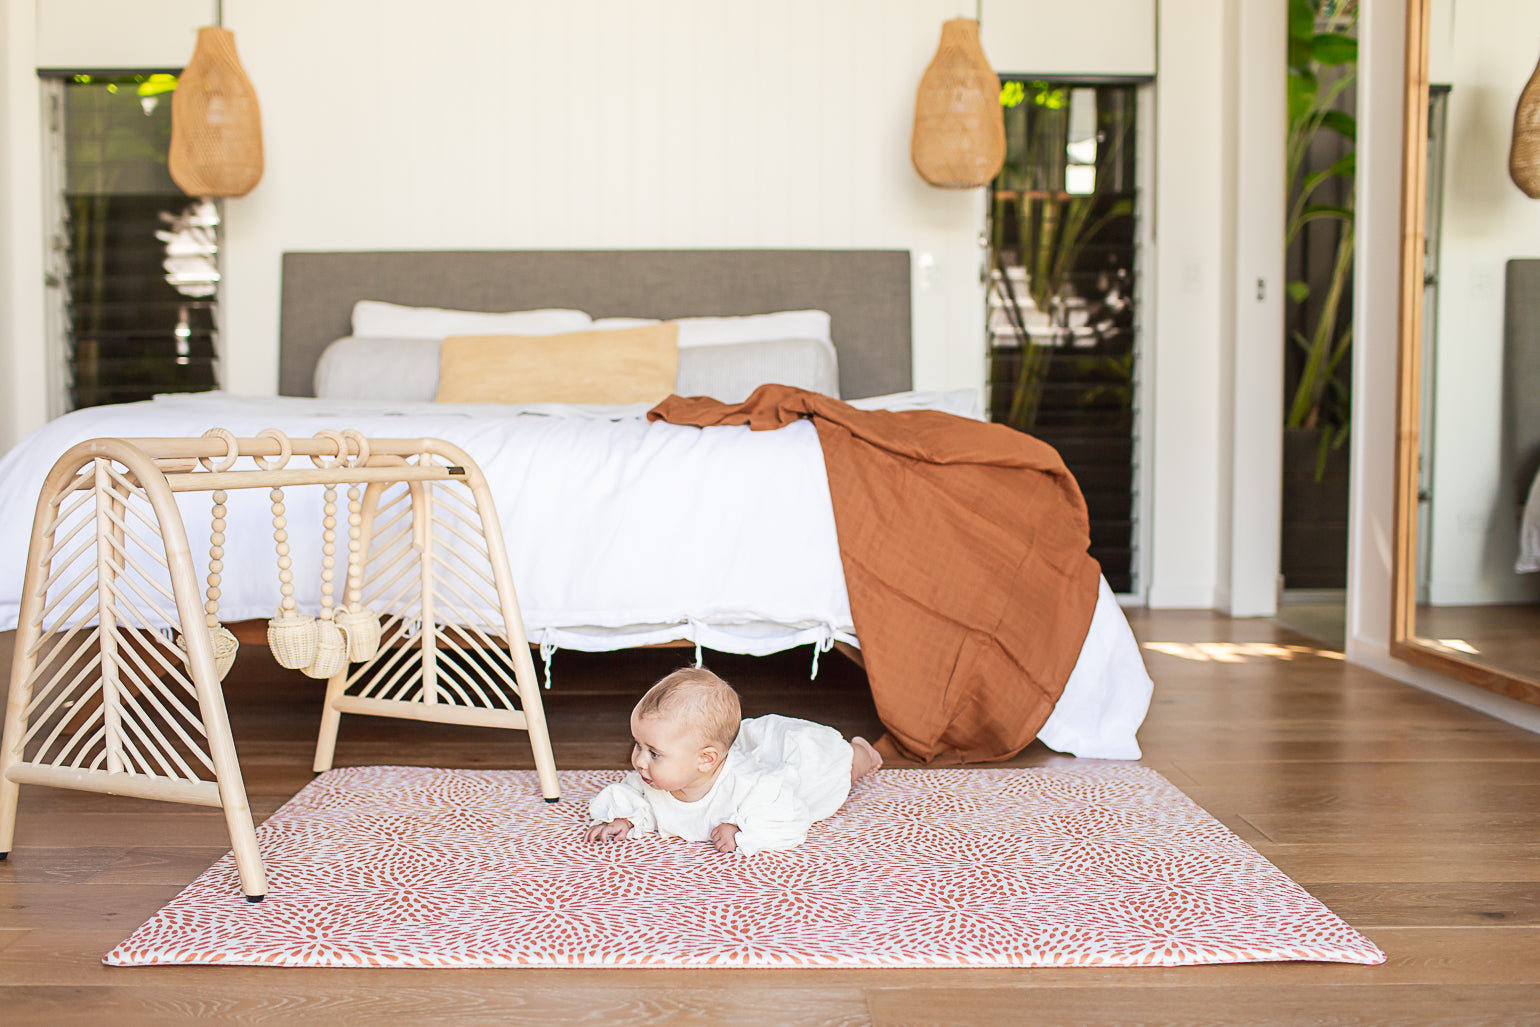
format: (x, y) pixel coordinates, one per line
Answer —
(624, 365)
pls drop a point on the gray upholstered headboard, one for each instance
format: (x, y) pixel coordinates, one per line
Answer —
(1521, 370)
(866, 293)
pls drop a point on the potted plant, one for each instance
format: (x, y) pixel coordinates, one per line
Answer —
(1319, 232)
(1322, 67)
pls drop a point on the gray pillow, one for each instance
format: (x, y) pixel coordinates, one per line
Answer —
(730, 371)
(392, 370)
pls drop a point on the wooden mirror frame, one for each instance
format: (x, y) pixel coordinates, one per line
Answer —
(1404, 644)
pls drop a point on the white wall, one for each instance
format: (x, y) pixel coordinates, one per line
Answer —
(90, 34)
(1486, 52)
(1251, 425)
(22, 362)
(1049, 37)
(8, 347)
(1191, 294)
(1376, 315)
(1219, 320)
(636, 124)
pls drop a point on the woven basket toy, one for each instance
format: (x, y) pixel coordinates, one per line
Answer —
(331, 654)
(290, 634)
(331, 640)
(362, 625)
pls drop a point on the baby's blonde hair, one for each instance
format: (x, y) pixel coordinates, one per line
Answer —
(701, 699)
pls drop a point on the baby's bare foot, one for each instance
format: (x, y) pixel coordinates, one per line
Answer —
(865, 760)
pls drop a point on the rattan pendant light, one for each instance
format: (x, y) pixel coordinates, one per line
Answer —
(216, 127)
(959, 125)
(1524, 157)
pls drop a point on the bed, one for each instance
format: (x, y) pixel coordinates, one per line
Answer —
(622, 532)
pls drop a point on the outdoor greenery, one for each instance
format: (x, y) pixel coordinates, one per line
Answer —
(1323, 57)
(1044, 226)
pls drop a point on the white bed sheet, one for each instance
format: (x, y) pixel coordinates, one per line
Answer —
(615, 528)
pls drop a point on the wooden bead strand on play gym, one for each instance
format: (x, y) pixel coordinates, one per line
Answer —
(331, 640)
(221, 640)
(362, 625)
(290, 635)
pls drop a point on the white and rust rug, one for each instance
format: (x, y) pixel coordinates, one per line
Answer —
(1091, 864)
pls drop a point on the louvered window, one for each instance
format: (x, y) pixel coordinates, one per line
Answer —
(133, 272)
(1063, 318)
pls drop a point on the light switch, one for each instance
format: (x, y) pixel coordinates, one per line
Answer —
(925, 271)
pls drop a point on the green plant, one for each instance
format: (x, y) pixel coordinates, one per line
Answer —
(1322, 63)
(1052, 228)
(1054, 232)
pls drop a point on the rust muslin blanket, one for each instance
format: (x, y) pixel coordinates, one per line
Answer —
(965, 554)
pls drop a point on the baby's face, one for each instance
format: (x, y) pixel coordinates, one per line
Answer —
(667, 753)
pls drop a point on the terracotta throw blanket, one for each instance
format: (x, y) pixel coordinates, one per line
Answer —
(964, 547)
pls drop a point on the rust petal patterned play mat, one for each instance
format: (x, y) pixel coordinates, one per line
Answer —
(1097, 864)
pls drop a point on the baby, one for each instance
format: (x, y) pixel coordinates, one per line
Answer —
(701, 774)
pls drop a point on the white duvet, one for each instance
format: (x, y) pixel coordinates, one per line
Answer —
(620, 532)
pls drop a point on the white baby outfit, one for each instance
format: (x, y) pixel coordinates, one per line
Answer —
(780, 775)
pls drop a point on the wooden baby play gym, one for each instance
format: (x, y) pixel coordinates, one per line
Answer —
(115, 681)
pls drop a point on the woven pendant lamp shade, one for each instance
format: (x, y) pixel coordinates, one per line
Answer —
(216, 127)
(1524, 157)
(959, 125)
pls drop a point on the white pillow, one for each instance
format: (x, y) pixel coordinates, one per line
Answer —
(786, 324)
(374, 319)
(715, 331)
(609, 324)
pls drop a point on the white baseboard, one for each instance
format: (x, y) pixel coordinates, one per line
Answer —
(1313, 596)
(1183, 597)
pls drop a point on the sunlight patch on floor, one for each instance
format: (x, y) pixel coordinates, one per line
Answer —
(1238, 652)
(1459, 645)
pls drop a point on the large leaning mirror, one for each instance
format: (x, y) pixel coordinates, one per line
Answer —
(1467, 567)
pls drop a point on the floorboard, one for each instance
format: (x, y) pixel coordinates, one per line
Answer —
(1413, 818)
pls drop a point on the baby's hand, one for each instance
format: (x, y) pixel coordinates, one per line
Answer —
(617, 828)
(725, 837)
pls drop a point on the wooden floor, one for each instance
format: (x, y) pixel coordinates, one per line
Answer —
(1413, 818)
